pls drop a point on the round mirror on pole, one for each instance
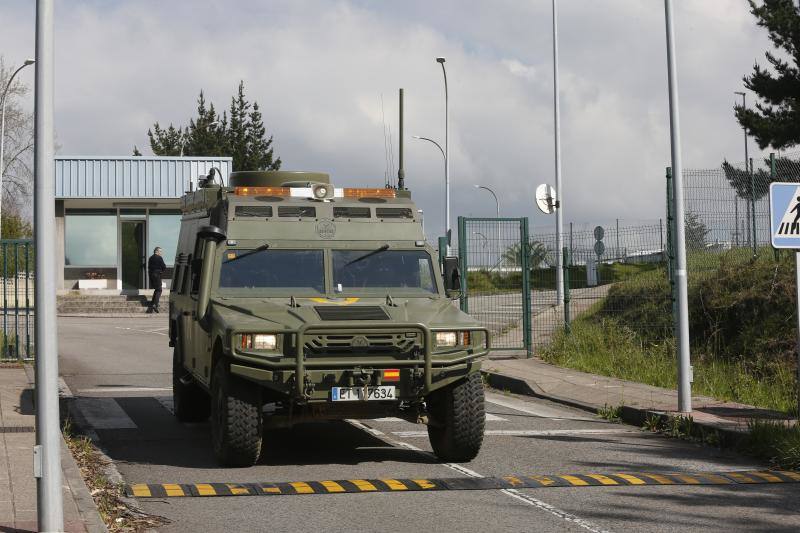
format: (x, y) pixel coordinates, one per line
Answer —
(546, 199)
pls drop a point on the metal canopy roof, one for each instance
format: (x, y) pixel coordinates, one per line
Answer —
(132, 177)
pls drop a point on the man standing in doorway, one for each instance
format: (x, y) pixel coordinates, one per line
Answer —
(156, 268)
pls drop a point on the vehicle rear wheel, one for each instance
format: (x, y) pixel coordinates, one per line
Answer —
(190, 402)
(457, 420)
(236, 418)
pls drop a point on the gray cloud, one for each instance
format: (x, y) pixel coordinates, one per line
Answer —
(319, 69)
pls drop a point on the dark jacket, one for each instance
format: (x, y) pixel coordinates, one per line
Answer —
(156, 265)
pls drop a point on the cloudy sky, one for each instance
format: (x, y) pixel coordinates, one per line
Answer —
(320, 68)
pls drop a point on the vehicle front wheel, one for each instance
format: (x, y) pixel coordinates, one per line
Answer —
(190, 402)
(457, 420)
(236, 418)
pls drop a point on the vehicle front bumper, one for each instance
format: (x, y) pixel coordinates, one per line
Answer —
(436, 368)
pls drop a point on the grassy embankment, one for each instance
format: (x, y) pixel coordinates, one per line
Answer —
(741, 315)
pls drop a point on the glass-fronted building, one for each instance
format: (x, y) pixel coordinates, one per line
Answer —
(112, 211)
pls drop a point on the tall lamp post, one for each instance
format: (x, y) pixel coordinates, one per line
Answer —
(684, 365)
(3, 129)
(446, 183)
(441, 61)
(559, 188)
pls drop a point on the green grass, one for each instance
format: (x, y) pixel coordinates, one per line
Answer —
(775, 442)
(609, 348)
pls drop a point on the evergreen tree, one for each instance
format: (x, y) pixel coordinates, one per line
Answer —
(240, 135)
(167, 142)
(136, 152)
(775, 121)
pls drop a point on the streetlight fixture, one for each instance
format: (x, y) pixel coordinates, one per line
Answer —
(3, 129)
(446, 153)
(446, 184)
(497, 211)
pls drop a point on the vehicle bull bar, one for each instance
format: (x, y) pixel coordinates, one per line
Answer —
(276, 361)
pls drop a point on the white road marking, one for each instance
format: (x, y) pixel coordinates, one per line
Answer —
(530, 500)
(154, 331)
(532, 409)
(530, 432)
(104, 413)
(489, 418)
(167, 403)
(115, 390)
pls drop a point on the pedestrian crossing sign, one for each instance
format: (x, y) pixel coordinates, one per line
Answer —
(784, 214)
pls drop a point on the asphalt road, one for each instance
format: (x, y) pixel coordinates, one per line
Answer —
(119, 369)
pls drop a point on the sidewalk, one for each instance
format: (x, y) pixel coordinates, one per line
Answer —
(592, 392)
(17, 484)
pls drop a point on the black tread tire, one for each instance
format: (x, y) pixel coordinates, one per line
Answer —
(190, 402)
(236, 418)
(456, 431)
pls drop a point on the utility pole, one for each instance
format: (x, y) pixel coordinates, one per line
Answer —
(47, 452)
(684, 367)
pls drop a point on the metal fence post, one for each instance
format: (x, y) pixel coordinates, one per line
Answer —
(526, 286)
(463, 263)
(753, 207)
(442, 250)
(567, 261)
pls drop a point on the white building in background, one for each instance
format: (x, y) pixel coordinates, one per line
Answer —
(112, 211)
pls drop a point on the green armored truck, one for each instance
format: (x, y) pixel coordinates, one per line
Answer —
(293, 300)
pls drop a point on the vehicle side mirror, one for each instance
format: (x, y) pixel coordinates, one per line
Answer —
(452, 277)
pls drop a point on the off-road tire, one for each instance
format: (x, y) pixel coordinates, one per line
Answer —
(190, 402)
(236, 418)
(457, 420)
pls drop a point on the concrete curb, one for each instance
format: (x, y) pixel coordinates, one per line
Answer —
(69, 468)
(634, 416)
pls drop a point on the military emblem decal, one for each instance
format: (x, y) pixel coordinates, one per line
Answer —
(326, 229)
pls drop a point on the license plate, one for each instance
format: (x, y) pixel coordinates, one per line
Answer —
(351, 394)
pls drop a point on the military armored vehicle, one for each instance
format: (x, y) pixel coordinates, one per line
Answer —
(294, 300)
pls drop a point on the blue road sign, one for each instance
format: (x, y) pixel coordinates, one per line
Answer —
(784, 214)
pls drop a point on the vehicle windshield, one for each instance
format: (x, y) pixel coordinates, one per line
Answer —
(285, 270)
(380, 269)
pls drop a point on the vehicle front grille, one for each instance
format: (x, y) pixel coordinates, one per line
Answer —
(398, 343)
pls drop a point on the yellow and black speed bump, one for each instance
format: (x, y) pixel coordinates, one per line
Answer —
(342, 486)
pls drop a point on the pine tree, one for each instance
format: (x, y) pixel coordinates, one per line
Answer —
(240, 135)
(776, 119)
(166, 142)
(259, 148)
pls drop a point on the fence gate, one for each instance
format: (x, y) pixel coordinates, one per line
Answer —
(495, 278)
(17, 299)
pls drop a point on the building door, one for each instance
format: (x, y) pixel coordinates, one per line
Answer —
(133, 255)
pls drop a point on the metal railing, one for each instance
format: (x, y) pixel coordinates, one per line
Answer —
(18, 299)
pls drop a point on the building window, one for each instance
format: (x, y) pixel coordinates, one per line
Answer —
(90, 238)
(164, 228)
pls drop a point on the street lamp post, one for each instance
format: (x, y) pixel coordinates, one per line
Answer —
(3, 129)
(446, 153)
(684, 364)
(557, 142)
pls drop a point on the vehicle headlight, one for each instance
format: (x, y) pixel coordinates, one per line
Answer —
(258, 341)
(450, 339)
(446, 338)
